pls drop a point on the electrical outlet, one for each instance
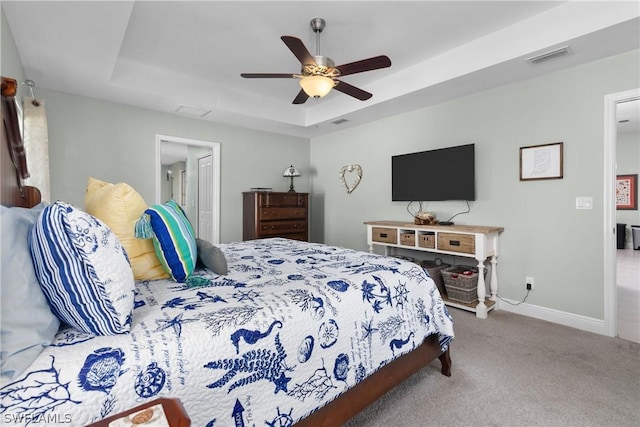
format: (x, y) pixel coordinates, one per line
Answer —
(529, 283)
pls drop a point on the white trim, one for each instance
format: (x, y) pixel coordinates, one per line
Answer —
(215, 149)
(609, 210)
(577, 321)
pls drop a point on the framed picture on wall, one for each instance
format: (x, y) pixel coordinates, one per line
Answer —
(541, 162)
(627, 192)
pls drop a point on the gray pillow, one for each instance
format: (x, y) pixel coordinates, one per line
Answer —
(28, 325)
(211, 257)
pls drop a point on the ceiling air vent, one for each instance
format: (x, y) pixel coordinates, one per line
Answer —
(192, 111)
(339, 121)
(555, 53)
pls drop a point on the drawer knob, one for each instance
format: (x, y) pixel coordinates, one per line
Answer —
(454, 242)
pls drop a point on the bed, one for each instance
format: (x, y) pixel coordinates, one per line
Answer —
(295, 333)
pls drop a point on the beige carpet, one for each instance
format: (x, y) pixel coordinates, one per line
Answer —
(511, 370)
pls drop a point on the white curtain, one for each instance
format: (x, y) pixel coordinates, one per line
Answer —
(36, 143)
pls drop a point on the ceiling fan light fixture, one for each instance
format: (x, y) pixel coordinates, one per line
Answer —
(317, 86)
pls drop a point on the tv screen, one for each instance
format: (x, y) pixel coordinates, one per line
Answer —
(434, 175)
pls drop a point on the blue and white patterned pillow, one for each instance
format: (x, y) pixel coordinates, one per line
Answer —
(83, 270)
(173, 238)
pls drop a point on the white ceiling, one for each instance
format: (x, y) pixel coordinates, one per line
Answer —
(167, 54)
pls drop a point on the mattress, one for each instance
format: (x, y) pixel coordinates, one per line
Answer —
(291, 327)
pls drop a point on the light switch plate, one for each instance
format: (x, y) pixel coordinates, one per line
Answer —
(584, 202)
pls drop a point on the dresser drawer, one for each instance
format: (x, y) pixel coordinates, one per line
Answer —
(283, 227)
(384, 235)
(454, 242)
(275, 214)
(268, 214)
(282, 199)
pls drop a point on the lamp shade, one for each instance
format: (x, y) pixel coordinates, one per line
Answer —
(317, 86)
(291, 172)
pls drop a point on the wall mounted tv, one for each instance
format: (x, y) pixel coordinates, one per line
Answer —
(434, 175)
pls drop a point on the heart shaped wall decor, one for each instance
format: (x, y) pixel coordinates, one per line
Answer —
(351, 168)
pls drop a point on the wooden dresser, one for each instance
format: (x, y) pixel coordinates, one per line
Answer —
(273, 214)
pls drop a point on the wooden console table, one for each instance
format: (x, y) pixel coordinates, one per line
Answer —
(469, 241)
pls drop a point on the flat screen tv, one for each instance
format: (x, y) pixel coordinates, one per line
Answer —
(434, 175)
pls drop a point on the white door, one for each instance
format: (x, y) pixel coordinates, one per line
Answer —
(205, 199)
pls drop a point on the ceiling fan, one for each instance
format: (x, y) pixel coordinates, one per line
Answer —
(319, 74)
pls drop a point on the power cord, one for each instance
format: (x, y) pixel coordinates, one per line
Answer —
(413, 215)
(518, 303)
(460, 213)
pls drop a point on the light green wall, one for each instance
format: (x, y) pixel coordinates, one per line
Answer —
(628, 162)
(545, 236)
(116, 143)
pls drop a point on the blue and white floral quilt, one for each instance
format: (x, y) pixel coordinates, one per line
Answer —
(291, 327)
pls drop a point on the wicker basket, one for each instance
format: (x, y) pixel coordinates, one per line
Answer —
(461, 283)
(434, 268)
(427, 240)
(408, 239)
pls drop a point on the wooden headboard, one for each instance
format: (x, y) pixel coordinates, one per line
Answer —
(13, 158)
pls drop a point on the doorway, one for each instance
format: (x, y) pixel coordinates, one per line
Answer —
(611, 303)
(178, 174)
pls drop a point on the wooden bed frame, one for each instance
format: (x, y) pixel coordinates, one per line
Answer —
(335, 413)
(13, 161)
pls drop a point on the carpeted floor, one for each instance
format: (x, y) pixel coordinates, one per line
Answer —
(512, 370)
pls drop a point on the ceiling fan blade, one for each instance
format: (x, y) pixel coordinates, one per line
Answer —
(267, 76)
(374, 63)
(301, 98)
(351, 90)
(298, 48)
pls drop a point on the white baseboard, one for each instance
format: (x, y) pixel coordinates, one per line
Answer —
(577, 321)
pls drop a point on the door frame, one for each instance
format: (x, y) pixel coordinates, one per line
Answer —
(611, 102)
(215, 188)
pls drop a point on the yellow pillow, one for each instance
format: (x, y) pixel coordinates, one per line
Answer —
(120, 206)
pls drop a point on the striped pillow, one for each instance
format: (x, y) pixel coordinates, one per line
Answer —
(83, 270)
(173, 238)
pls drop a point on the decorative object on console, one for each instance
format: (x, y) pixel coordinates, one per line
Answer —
(421, 217)
(541, 162)
(425, 218)
(351, 168)
(627, 192)
(291, 172)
